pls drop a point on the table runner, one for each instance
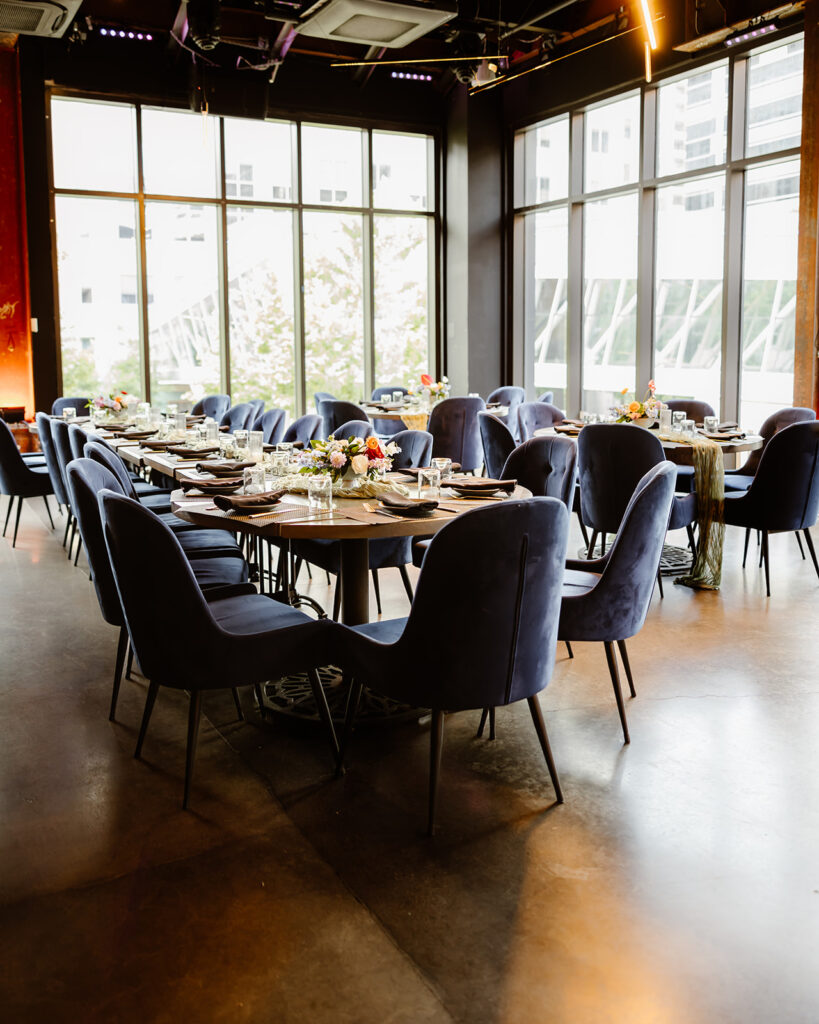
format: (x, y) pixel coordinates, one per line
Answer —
(415, 420)
(709, 484)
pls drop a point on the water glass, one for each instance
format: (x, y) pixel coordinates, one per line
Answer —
(275, 467)
(212, 430)
(253, 478)
(255, 445)
(320, 491)
(171, 410)
(180, 422)
(285, 448)
(398, 396)
(69, 413)
(710, 424)
(240, 440)
(689, 428)
(201, 433)
(444, 467)
(677, 421)
(144, 409)
(665, 420)
(429, 483)
(226, 447)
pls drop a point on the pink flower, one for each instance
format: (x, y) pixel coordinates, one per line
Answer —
(634, 415)
(338, 459)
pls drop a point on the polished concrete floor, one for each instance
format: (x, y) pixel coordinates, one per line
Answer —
(678, 884)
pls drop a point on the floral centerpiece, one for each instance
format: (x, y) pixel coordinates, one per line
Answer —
(355, 457)
(112, 405)
(434, 389)
(642, 413)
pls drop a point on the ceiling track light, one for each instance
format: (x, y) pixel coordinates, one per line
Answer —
(124, 33)
(411, 76)
(752, 33)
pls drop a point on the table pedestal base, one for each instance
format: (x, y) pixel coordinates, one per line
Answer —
(674, 560)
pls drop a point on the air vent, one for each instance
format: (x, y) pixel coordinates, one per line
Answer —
(376, 22)
(38, 18)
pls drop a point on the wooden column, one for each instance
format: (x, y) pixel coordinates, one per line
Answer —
(806, 362)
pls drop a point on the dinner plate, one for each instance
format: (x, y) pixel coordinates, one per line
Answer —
(214, 487)
(408, 513)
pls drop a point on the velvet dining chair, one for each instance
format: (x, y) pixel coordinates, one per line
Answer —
(271, 425)
(258, 412)
(239, 417)
(305, 429)
(353, 428)
(605, 600)
(548, 397)
(534, 416)
(335, 412)
(504, 596)
(236, 639)
(43, 421)
(158, 499)
(546, 466)
(416, 449)
(60, 434)
(512, 397)
(322, 396)
(784, 493)
(453, 423)
(79, 405)
(382, 427)
(214, 406)
(742, 478)
(497, 441)
(20, 481)
(86, 479)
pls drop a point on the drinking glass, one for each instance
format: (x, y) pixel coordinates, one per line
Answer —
(201, 434)
(69, 413)
(689, 428)
(285, 448)
(180, 422)
(677, 421)
(444, 467)
(212, 429)
(320, 491)
(398, 396)
(226, 447)
(710, 424)
(255, 444)
(665, 421)
(171, 409)
(274, 469)
(253, 480)
(240, 440)
(429, 483)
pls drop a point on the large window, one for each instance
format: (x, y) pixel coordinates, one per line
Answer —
(628, 264)
(266, 259)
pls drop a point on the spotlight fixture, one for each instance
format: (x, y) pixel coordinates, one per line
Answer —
(121, 33)
(411, 76)
(752, 33)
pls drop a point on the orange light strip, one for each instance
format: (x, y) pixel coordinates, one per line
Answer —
(648, 22)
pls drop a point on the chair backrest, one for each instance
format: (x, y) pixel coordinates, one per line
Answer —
(534, 416)
(322, 396)
(80, 404)
(416, 449)
(50, 452)
(13, 470)
(548, 397)
(547, 466)
(76, 439)
(62, 446)
(387, 391)
(616, 608)
(239, 417)
(785, 490)
(456, 435)
(692, 407)
(214, 406)
(353, 428)
(507, 395)
(158, 615)
(498, 443)
(258, 412)
(334, 412)
(504, 596)
(612, 459)
(271, 425)
(773, 424)
(86, 478)
(104, 456)
(306, 428)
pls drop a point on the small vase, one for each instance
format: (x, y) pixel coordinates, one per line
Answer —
(351, 480)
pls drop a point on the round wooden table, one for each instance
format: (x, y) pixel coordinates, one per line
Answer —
(677, 451)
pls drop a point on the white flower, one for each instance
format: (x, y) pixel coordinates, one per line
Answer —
(391, 448)
(360, 463)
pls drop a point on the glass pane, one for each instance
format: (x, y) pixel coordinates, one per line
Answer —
(545, 298)
(260, 298)
(331, 165)
(93, 145)
(180, 153)
(402, 171)
(612, 153)
(99, 297)
(692, 121)
(546, 160)
(609, 300)
(402, 316)
(775, 99)
(769, 290)
(688, 296)
(259, 159)
(334, 304)
(183, 301)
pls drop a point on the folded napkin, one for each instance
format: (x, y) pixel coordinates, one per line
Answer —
(196, 419)
(568, 428)
(208, 486)
(192, 453)
(480, 483)
(158, 446)
(225, 467)
(135, 434)
(572, 423)
(726, 435)
(414, 470)
(400, 504)
(246, 502)
(727, 425)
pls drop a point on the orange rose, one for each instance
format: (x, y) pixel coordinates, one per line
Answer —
(634, 407)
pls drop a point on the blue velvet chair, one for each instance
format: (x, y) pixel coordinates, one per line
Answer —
(79, 404)
(784, 493)
(416, 449)
(534, 416)
(335, 412)
(60, 434)
(382, 427)
(52, 462)
(305, 429)
(241, 638)
(453, 423)
(20, 481)
(546, 466)
(322, 396)
(505, 596)
(214, 406)
(154, 496)
(258, 412)
(512, 397)
(498, 443)
(271, 425)
(605, 600)
(548, 397)
(742, 478)
(353, 428)
(85, 479)
(239, 417)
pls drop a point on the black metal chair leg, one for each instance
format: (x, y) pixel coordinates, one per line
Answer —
(48, 509)
(150, 700)
(542, 735)
(193, 736)
(402, 569)
(67, 526)
(799, 542)
(122, 645)
(660, 582)
(353, 700)
(621, 646)
(583, 531)
(327, 574)
(238, 703)
(809, 542)
(691, 540)
(8, 513)
(377, 589)
(611, 658)
(745, 552)
(766, 560)
(482, 723)
(590, 552)
(436, 746)
(603, 543)
(569, 649)
(130, 663)
(17, 521)
(491, 723)
(337, 598)
(79, 547)
(320, 697)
